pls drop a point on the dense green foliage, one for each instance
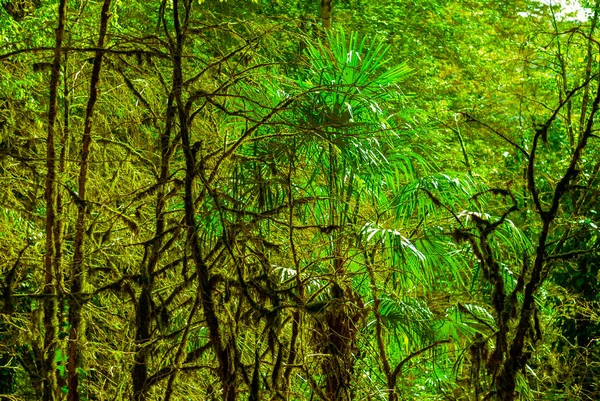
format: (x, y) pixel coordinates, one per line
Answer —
(336, 200)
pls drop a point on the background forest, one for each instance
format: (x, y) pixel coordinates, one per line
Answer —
(311, 200)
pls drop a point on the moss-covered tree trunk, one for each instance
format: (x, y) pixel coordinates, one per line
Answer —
(49, 290)
(78, 272)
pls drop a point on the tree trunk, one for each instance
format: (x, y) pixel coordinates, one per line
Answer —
(78, 273)
(326, 10)
(222, 349)
(48, 374)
